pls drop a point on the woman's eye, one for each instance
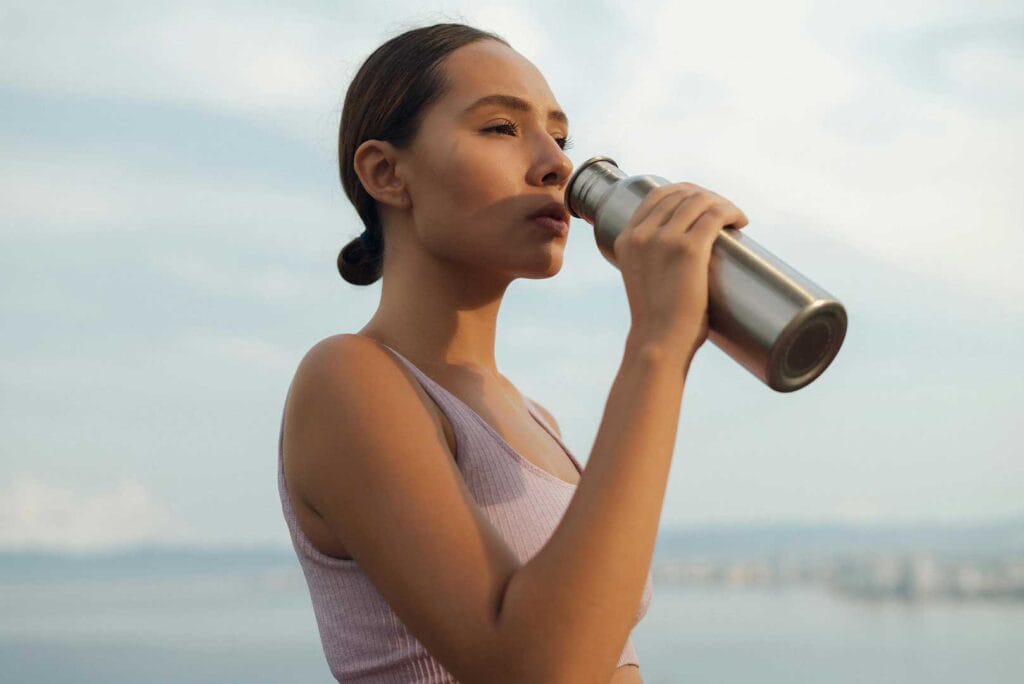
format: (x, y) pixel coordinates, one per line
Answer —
(505, 126)
(564, 143)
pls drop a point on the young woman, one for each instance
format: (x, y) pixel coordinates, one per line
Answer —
(445, 531)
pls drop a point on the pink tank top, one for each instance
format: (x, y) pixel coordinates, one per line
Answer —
(362, 638)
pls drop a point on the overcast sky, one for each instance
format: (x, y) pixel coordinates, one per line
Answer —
(171, 214)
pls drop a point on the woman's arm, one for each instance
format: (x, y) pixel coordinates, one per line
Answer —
(363, 449)
(575, 601)
(627, 674)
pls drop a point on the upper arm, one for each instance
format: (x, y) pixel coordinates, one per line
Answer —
(627, 674)
(373, 461)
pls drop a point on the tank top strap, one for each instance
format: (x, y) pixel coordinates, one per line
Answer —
(436, 392)
(472, 430)
(460, 417)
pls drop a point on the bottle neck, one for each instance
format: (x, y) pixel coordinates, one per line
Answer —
(589, 185)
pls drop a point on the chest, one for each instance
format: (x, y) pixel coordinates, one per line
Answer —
(511, 421)
(521, 431)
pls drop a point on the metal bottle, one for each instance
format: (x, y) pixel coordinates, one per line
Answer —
(773, 321)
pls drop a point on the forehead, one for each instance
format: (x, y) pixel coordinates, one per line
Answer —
(487, 67)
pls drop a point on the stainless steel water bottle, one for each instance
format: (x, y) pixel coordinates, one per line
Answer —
(776, 323)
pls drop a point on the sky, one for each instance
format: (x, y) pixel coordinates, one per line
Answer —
(170, 215)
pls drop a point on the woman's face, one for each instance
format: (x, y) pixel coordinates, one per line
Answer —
(475, 174)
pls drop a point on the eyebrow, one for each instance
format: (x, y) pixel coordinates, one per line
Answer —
(516, 103)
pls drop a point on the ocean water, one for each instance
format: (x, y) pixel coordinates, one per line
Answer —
(168, 618)
(701, 634)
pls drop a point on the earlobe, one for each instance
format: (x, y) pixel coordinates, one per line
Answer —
(374, 162)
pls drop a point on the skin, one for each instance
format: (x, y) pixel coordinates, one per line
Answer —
(455, 209)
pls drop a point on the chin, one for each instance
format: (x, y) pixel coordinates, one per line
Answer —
(547, 270)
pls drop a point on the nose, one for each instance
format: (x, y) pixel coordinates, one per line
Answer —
(552, 166)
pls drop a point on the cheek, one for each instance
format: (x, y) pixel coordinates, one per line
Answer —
(468, 182)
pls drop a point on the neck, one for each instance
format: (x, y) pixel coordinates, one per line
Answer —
(438, 314)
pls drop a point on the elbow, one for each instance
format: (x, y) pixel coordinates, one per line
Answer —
(519, 659)
(568, 666)
(533, 645)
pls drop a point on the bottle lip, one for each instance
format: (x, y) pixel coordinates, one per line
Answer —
(576, 174)
(827, 310)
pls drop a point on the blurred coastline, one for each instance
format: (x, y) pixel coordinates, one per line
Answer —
(981, 561)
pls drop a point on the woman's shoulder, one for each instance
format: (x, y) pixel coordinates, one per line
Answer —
(347, 365)
(338, 344)
(348, 388)
(344, 370)
(336, 357)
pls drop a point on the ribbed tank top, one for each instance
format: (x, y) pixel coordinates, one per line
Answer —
(363, 640)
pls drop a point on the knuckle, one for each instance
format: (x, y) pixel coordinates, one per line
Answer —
(717, 211)
(712, 200)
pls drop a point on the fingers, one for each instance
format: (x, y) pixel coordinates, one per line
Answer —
(685, 207)
(742, 222)
(704, 204)
(660, 199)
(710, 223)
(662, 212)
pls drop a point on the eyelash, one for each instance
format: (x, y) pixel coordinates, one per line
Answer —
(564, 143)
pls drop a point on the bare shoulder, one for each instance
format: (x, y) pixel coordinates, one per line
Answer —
(328, 372)
(338, 351)
(374, 463)
(336, 382)
(342, 362)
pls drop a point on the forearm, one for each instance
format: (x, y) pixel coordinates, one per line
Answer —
(575, 602)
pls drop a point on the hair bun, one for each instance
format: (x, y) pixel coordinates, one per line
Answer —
(358, 263)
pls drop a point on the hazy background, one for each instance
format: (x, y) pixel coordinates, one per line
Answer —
(170, 214)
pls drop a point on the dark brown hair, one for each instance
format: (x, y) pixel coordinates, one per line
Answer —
(385, 101)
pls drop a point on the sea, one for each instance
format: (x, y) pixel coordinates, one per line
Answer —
(172, 616)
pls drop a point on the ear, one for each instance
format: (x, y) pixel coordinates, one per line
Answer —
(375, 162)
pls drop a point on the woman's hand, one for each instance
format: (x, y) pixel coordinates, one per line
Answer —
(663, 255)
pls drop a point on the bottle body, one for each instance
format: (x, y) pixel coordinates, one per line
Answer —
(769, 318)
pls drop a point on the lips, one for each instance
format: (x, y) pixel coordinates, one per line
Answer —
(555, 210)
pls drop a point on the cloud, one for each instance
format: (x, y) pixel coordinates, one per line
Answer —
(269, 63)
(863, 125)
(804, 128)
(37, 514)
(59, 193)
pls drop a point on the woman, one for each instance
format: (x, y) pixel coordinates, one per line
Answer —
(445, 531)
